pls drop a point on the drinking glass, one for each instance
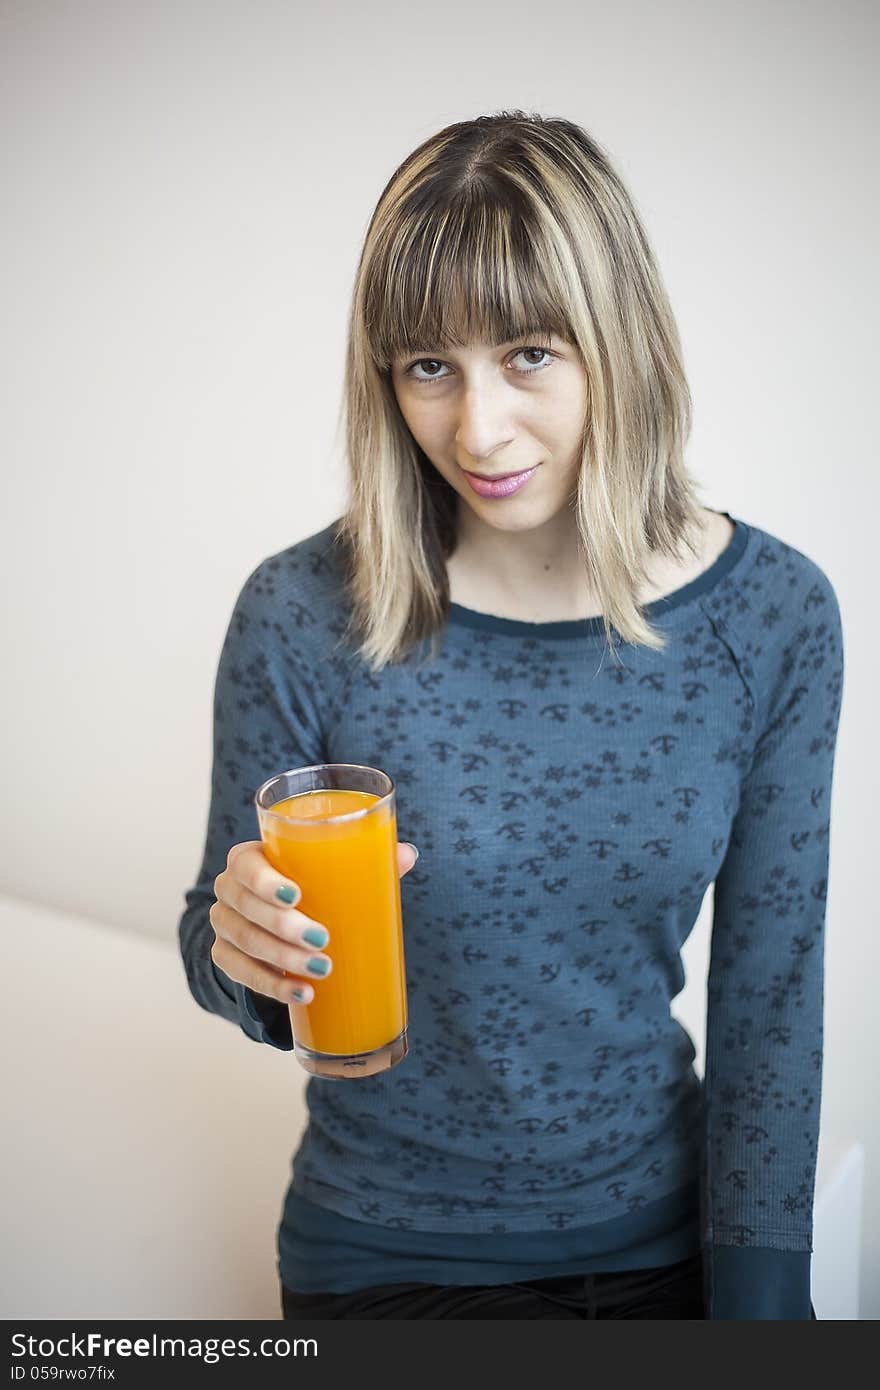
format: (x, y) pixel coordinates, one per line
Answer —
(332, 829)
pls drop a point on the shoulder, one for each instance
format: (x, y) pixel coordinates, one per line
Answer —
(300, 587)
(783, 609)
(779, 611)
(309, 566)
(787, 579)
(289, 618)
(277, 661)
(774, 589)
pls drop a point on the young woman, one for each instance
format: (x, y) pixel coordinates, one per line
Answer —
(596, 698)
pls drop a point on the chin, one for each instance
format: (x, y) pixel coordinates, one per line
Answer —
(525, 519)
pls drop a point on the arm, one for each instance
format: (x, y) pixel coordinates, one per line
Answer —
(265, 720)
(766, 985)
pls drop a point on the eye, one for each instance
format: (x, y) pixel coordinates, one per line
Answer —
(528, 371)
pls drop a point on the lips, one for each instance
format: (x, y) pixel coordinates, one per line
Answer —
(497, 477)
(503, 485)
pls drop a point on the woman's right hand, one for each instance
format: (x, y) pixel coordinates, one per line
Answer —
(257, 938)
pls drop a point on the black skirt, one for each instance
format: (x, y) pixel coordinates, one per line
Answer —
(668, 1291)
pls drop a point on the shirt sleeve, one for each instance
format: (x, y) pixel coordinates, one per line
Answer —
(265, 720)
(764, 1033)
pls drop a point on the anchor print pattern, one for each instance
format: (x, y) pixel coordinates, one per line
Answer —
(572, 807)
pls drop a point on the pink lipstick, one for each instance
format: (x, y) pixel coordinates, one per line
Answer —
(500, 487)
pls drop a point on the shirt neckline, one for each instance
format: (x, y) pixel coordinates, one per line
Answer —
(459, 616)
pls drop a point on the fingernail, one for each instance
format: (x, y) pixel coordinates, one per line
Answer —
(287, 894)
(318, 966)
(316, 936)
(412, 846)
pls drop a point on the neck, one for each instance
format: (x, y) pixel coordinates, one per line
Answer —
(543, 560)
(538, 576)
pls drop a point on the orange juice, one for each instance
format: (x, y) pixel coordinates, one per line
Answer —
(348, 874)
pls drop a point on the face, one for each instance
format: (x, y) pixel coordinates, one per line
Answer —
(497, 410)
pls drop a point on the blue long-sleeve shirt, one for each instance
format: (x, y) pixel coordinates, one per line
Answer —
(571, 811)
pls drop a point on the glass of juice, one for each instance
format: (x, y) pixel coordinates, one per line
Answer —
(332, 828)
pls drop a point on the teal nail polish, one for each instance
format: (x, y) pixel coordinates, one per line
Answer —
(316, 936)
(317, 966)
(288, 894)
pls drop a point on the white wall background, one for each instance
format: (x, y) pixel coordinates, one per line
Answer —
(187, 186)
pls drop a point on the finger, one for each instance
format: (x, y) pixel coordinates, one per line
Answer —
(264, 946)
(252, 868)
(239, 849)
(259, 977)
(282, 921)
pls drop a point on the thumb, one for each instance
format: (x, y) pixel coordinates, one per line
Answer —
(407, 854)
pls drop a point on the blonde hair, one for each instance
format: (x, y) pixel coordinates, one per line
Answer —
(501, 227)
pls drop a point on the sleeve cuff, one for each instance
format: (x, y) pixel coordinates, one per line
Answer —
(222, 980)
(750, 1283)
(262, 1019)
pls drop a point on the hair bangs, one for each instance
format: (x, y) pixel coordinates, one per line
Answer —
(472, 272)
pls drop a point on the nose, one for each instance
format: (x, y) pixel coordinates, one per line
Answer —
(484, 427)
